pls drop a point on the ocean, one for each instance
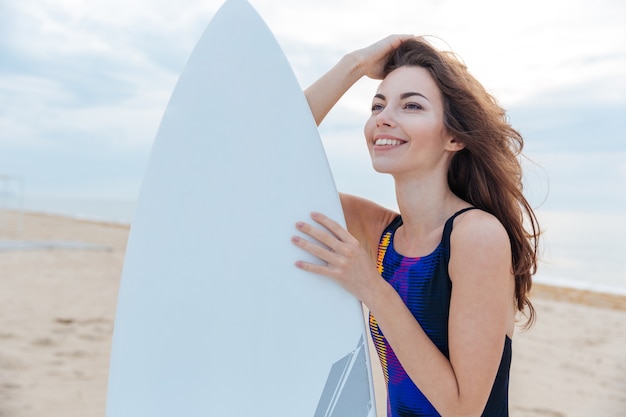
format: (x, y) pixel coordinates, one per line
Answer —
(583, 250)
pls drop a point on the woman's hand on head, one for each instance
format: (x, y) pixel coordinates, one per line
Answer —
(347, 262)
(371, 60)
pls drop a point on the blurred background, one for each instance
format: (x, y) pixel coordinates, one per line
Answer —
(83, 85)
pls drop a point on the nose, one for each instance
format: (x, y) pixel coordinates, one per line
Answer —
(384, 118)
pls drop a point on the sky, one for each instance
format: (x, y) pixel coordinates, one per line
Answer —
(84, 83)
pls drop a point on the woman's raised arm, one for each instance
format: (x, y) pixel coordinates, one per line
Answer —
(323, 94)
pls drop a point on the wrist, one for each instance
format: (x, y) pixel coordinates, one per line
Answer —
(353, 63)
(376, 292)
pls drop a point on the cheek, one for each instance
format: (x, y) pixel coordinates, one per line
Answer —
(368, 130)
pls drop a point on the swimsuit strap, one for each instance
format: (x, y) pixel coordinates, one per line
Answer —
(395, 223)
(447, 230)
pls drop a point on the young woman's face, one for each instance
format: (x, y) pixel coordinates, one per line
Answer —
(405, 132)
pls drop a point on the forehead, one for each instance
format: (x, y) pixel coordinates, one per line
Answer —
(406, 79)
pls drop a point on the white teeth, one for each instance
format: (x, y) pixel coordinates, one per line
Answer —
(387, 142)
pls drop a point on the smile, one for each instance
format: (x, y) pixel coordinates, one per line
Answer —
(388, 142)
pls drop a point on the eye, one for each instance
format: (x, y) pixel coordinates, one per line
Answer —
(377, 107)
(412, 106)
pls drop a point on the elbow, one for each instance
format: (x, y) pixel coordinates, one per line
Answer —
(465, 408)
(463, 413)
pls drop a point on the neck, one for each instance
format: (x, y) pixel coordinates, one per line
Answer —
(425, 204)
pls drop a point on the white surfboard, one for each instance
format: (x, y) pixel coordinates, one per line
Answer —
(213, 318)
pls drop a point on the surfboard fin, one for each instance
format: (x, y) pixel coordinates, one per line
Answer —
(346, 392)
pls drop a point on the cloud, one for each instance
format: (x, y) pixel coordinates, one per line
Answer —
(571, 123)
(68, 72)
(87, 81)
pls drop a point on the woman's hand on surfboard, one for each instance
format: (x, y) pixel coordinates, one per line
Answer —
(346, 260)
(371, 59)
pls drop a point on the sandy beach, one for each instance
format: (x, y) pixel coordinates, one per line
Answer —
(58, 286)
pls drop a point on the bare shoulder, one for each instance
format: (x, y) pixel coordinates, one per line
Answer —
(477, 227)
(478, 242)
(481, 271)
(365, 219)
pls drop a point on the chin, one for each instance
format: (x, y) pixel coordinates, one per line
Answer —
(382, 168)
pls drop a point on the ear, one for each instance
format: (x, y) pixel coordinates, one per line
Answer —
(454, 145)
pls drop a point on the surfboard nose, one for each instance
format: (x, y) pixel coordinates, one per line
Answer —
(213, 318)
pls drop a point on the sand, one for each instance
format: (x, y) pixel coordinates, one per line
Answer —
(57, 307)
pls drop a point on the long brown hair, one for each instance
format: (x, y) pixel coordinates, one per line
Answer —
(487, 173)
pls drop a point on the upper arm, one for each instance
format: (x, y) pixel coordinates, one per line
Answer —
(365, 220)
(482, 303)
(324, 93)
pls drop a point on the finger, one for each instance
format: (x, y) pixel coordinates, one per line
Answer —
(332, 226)
(399, 38)
(323, 236)
(391, 42)
(322, 253)
(314, 268)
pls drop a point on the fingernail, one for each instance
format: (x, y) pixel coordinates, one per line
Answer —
(299, 225)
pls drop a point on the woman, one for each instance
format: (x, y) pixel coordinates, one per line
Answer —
(442, 304)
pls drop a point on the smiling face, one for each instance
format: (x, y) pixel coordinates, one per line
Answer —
(405, 133)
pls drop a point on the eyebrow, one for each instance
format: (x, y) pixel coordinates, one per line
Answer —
(403, 95)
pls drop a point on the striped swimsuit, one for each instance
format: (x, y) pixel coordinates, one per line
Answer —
(424, 285)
